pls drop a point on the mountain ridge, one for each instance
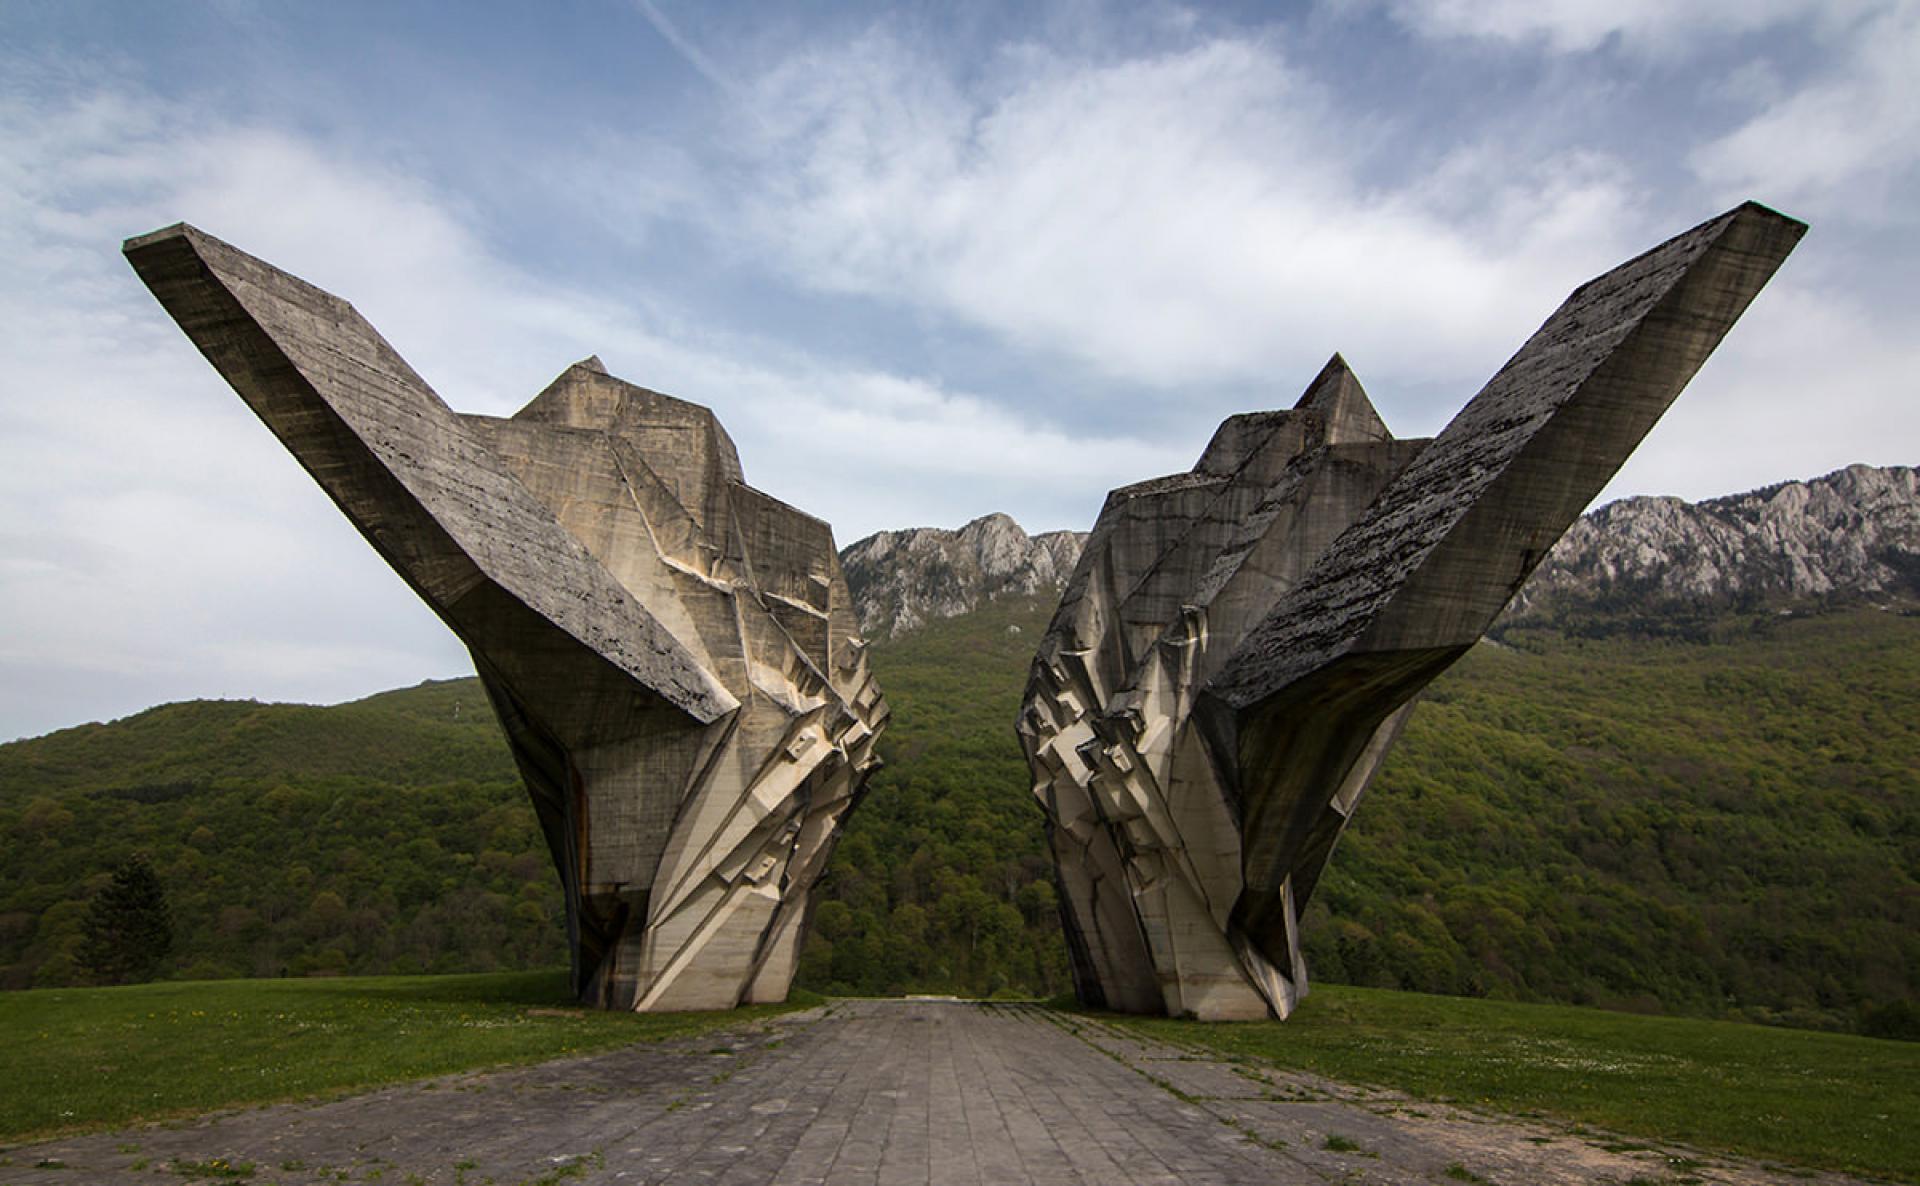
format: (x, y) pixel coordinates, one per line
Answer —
(904, 578)
(1849, 536)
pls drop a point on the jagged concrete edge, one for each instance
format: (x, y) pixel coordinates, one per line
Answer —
(1406, 590)
(224, 299)
(1418, 519)
(1512, 474)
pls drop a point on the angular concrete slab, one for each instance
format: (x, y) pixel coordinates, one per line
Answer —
(672, 653)
(1242, 643)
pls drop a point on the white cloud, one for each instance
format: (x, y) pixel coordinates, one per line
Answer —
(1190, 218)
(1807, 383)
(1848, 142)
(159, 544)
(1663, 28)
(1180, 226)
(1198, 217)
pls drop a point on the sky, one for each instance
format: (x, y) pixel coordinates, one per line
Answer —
(925, 262)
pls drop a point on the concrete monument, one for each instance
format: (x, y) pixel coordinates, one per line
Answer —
(1241, 643)
(672, 653)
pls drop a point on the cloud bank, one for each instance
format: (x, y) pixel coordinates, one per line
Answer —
(916, 287)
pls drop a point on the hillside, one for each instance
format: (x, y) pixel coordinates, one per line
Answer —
(1720, 828)
(1721, 820)
(390, 835)
(942, 883)
(438, 731)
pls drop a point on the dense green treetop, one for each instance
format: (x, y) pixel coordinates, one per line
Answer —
(127, 932)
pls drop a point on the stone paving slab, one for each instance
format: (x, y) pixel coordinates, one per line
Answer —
(880, 1093)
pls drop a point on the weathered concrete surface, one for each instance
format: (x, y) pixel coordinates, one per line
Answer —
(891, 1092)
(672, 653)
(1241, 643)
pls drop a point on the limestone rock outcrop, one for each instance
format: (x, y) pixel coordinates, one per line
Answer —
(1240, 644)
(901, 580)
(1852, 535)
(672, 653)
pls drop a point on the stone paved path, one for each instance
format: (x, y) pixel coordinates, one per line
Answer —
(873, 1092)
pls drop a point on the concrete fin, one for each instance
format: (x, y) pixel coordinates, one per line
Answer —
(398, 461)
(678, 679)
(1442, 550)
(1205, 732)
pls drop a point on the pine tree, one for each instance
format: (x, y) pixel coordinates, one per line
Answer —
(127, 931)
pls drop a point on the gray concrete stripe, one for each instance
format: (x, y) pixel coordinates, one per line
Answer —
(884, 1092)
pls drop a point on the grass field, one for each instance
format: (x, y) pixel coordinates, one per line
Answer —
(89, 1058)
(1830, 1101)
(95, 1058)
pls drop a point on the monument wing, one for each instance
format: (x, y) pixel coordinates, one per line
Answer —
(1243, 643)
(435, 504)
(670, 651)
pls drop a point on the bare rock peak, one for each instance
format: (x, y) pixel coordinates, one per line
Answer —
(903, 579)
(1852, 535)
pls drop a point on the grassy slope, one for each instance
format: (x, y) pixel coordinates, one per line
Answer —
(942, 882)
(290, 838)
(436, 732)
(1828, 1100)
(89, 1058)
(1728, 830)
(1725, 828)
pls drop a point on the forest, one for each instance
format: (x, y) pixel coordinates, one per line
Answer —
(1720, 823)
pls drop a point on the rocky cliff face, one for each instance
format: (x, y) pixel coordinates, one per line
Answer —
(1851, 535)
(902, 579)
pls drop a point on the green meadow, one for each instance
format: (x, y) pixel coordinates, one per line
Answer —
(89, 1058)
(96, 1058)
(1806, 1099)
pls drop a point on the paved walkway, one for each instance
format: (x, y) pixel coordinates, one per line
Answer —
(872, 1092)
